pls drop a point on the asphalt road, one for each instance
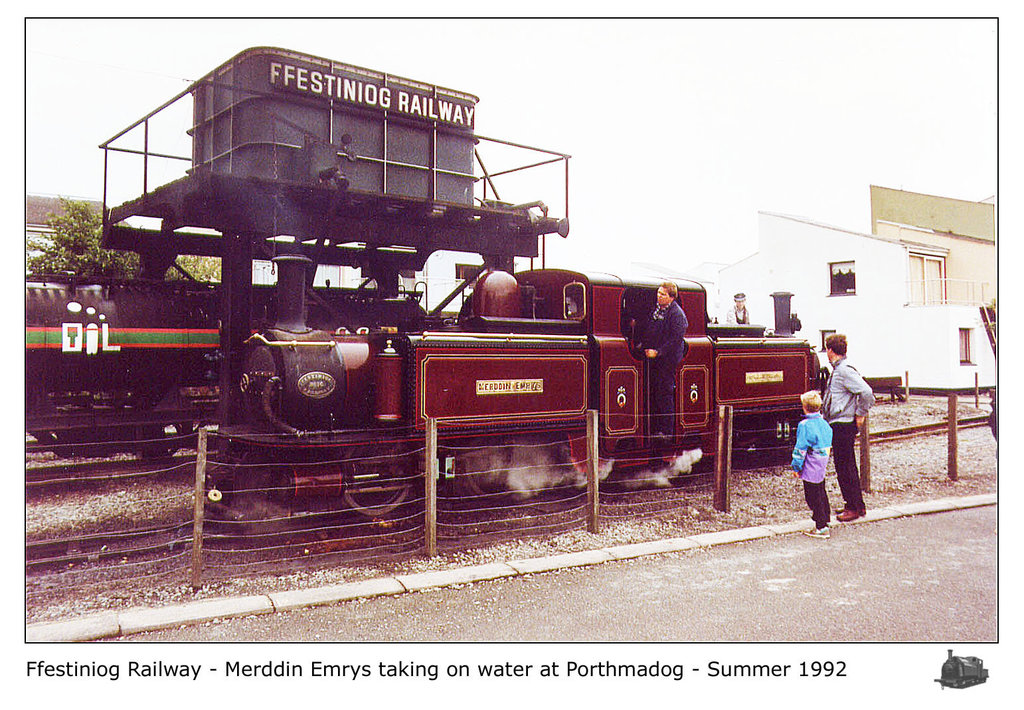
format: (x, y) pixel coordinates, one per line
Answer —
(923, 578)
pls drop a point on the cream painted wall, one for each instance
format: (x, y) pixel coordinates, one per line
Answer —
(967, 259)
(941, 214)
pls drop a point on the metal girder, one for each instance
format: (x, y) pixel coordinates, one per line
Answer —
(351, 221)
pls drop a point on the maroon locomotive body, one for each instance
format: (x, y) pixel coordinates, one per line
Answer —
(514, 374)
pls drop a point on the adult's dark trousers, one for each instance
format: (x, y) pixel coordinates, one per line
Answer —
(844, 437)
(817, 499)
(663, 389)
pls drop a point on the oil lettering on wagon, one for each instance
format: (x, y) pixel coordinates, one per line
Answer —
(92, 340)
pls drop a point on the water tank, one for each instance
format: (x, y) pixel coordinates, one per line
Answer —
(280, 115)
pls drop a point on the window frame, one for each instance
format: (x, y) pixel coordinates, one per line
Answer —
(824, 336)
(925, 291)
(965, 340)
(833, 287)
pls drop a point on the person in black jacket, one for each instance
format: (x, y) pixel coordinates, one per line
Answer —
(664, 346)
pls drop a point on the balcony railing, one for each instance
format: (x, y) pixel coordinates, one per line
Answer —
(948, 292)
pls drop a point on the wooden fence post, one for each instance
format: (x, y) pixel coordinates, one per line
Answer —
(865, 456)
(977, 393)
(951, 466)
(593, 477)
(198, 511)
(906, 385)
(723, 458)
(430, 489)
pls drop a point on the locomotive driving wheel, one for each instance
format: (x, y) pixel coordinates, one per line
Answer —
(375, 491)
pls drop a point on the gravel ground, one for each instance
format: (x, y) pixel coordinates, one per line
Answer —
(902, 471)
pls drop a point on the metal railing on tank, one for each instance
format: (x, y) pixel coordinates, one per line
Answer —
(182, 129)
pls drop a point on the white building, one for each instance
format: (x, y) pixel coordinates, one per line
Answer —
(897, 298)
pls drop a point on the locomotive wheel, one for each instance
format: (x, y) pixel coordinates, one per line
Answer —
(379, 495)
(377, 500)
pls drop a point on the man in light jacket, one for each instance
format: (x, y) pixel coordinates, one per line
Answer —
(847, 401)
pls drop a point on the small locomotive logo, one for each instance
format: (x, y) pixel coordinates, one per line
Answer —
(962, 671)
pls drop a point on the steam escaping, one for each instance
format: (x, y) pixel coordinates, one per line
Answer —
(526, 471)
(659, 478)
(532, 470)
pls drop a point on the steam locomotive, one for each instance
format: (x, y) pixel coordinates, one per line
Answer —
(513, 374)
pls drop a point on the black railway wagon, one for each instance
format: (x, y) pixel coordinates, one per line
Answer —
(117, 360)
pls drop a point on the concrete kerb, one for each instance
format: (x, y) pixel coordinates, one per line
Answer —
(133, 621)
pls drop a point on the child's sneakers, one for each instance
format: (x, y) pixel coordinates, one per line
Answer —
(821, 533)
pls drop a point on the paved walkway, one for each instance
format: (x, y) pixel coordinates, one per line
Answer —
(134, 621)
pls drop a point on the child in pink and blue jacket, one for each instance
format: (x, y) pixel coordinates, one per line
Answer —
(810, 457)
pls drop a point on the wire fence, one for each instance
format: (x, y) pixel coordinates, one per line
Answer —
(218, 515)
(268, 513)
(84, 444)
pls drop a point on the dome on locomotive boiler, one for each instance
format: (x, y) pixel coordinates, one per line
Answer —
(496, 295)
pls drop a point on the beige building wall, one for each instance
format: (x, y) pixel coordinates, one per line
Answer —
(941, 214)
(962, 232)
(967, 259)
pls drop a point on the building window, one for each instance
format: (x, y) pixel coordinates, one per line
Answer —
(824, 337)
(965, 346)
(465, 271)
(927, 279)
(842, 278)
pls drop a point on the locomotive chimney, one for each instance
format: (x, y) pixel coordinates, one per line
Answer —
(785, 322)
(291, 292)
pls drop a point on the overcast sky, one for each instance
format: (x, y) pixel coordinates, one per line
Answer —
(680, 130)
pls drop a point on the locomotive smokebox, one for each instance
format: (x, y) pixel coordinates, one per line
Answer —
(292, 272)
(786, 323)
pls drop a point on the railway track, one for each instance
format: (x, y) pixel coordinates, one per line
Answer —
(105, 471)
(927, 429)
(107, 546)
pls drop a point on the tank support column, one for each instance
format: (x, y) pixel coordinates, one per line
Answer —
(235, 306)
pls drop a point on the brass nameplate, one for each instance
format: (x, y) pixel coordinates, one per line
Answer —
(760, 378)
(509, 387)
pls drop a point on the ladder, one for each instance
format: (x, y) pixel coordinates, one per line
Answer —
(988, 317)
